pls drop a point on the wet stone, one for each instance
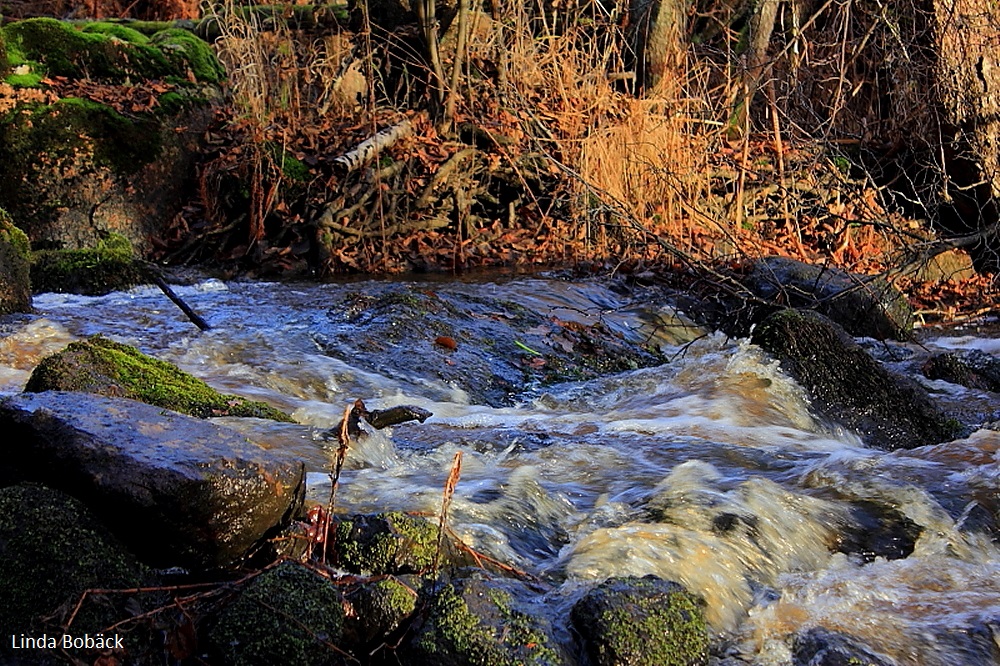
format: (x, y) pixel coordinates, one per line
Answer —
(493, 350)
(179, 491)
(483, 620)
(642, 622)
(848, 386)
(822, 647)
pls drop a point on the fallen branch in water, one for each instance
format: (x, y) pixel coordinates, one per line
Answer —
(179, 302)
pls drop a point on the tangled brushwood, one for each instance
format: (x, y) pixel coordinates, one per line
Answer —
(381, 137)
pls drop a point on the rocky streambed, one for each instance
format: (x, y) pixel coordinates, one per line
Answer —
(635, 486)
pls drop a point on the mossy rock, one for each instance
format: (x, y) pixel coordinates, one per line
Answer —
(62, 129)
(111, 266)
(53, 155)
(379, 606)
(287, 615)
(189, 55)
(57, 48)
(386, 543)
(104, 367)
(117, 31)
(478, 620)
(846, 385)
(52, 549)
(4, 62)
(642, 622)
(15, 261)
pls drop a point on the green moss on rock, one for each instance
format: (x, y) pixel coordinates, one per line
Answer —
(51, 550)
(188, 53)
(111, 266)
(118, 31)
(102, 366)
(56, 48)
(4, 62)
(286, 615)
(49, 136)
(109, 51)
(380, 605)
(642, 622)
(386, 543)
(15, 260)
(476, 620)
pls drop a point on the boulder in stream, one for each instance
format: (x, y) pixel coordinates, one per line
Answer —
(642, 622)
(864, 305)
(289, 614)
(971, 368)
(15, 258)
(178, 490)
(105, 367)
(849, 387)
(479, 619)
(52, 548)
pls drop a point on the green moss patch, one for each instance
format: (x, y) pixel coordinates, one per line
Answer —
(56, 48)
(287, 615)
(102, 366)
(189, 54)
(15, 260)
(118, 31)
(386, 543)
(108, 51)
(642, 622)
(52, 549)
(476, 621)
(111, 266)
(71, 126)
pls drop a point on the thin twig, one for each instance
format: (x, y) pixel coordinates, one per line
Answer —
(449, 493)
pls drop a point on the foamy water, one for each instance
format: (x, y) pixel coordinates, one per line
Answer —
(709, 470)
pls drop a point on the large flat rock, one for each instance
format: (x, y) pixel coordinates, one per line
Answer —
(178, 490)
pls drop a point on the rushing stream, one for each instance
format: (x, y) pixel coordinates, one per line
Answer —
(708, 470)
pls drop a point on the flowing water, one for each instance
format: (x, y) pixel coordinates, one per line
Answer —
(708, 470)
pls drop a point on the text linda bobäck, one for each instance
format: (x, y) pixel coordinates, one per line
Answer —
(67, 642)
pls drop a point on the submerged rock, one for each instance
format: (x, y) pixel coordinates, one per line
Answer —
(178, 490)
(822, 647)
(105, 367)
(286, 615)
(15, 259)
(491, 349)
(848, 386)
(642, 622)
(479, 620)
(52, 548)
(972, 368)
